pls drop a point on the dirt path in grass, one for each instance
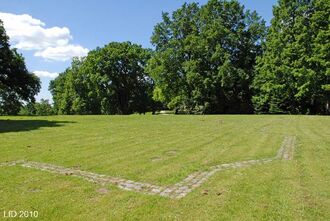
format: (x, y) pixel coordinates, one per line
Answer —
(176, 191)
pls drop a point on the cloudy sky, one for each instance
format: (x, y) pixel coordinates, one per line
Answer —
(49, 33)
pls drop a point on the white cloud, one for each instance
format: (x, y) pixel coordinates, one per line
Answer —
(62, 53)
(46, 74)
(28, 33)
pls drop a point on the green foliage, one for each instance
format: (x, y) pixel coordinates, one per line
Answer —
(205, 56)
(28, 110)
(65, 96)
(16, 83)
(110, 80)
(326, 87)
(210, 59)
(292, 71)
(42, 108)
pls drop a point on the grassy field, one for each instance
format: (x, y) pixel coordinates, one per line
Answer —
(163, 150)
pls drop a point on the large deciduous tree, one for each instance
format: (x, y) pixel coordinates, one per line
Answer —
(294, 70)
(205, 57)
(110, 80)
(16, 83)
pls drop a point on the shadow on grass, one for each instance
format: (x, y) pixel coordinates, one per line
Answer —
(27, 125)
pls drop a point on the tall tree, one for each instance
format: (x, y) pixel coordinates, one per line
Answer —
(293, 69)
(110, 80)
(67, 91)
(205, 57)
(321, 50)
(16, 83)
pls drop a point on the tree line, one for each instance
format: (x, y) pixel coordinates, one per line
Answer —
(216, 58)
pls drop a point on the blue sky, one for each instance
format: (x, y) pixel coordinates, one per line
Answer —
(52, 31)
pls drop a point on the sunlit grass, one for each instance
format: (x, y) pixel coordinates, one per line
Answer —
(163, 150)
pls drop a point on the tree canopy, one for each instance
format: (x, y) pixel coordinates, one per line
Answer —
(215, 58)
(16, 83)
(41, 108)
(110, 80)
(205, 56)
(293, 73)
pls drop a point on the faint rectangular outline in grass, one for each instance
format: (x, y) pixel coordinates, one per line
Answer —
(176, 191)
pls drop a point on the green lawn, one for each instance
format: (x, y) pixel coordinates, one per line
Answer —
(163, 150)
